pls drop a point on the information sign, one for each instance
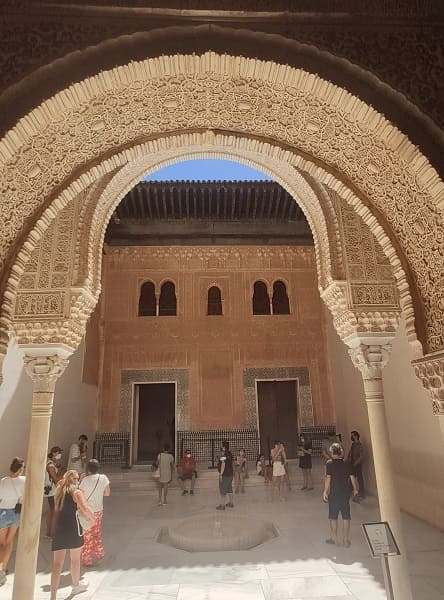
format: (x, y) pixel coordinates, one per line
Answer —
(380, 539)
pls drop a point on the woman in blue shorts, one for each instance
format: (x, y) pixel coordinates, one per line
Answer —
(12, 488)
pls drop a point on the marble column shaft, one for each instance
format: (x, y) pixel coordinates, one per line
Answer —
(370, 360)
(44, 371)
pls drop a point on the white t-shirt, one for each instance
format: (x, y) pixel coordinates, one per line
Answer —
(11, 491)
(74, 453)
(94, 498)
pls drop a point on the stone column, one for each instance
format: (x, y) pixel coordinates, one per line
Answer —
(370, 359)
(430, 370)
(44, 372)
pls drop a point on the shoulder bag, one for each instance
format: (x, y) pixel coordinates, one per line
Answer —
(83, 521)
(18, 506)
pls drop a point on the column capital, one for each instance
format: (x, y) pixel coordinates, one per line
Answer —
(351, 320)
(45, 370)
(370, 359)
(430, 370)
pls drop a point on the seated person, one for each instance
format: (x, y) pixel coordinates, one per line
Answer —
(264, 469)
(187, 470)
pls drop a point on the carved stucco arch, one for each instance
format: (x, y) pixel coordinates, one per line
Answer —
(286, 167)
(101, 197)
(331, 129)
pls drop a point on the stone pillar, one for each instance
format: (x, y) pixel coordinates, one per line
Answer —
(430, 370)
(370, 359)
(44, 372)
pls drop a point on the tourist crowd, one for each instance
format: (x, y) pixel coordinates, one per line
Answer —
(75, 494)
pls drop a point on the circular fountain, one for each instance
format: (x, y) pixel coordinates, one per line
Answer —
(222, 531)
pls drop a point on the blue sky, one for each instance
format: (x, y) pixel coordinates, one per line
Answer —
(207, 170)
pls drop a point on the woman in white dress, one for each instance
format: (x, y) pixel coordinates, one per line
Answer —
(165, 464)
(279, 458)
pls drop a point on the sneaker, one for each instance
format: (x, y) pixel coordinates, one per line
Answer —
(192, 493)
(185, 492)
(230, 505)
(78, 589)
(220, 507)
(2, 578)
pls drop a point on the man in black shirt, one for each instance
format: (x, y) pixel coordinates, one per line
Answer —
(339, 480)
(225, 468)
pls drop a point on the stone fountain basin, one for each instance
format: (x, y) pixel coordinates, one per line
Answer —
(219, 531)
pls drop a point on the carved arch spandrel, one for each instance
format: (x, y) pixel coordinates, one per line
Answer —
(258, 98)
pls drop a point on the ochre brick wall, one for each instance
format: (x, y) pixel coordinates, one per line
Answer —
(215, 350)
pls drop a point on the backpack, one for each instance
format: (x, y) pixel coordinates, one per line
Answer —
(49, 484)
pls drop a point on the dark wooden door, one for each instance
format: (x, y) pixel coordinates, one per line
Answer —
(278, 417)
(156, 424)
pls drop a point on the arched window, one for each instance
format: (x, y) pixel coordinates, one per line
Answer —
(281, 304)
(261, 301)
(214, 301)
(147, 300)
(167, 300)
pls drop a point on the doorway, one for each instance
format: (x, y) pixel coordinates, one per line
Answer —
(278, 414)
(155, 423)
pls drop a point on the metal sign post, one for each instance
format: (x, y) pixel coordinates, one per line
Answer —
(382, 544)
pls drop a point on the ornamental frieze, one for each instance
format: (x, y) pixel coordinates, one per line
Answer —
(39, 304)
(373, 294)
(160, 258)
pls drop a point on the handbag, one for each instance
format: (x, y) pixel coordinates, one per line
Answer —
(84, 522)
(18, 506)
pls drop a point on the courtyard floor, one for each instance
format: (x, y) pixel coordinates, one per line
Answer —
(295, 565)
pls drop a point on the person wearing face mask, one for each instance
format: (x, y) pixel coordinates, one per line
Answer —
(186, 470)
(53, 475)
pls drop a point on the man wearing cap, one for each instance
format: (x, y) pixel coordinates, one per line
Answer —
(53, 474)
(187, 470)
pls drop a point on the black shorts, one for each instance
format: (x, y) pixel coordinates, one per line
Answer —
(226, 485)
(339, 505)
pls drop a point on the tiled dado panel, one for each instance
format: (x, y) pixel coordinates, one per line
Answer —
(133, 376)
(301, 374)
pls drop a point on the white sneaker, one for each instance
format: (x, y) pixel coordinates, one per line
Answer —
(78, 589)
